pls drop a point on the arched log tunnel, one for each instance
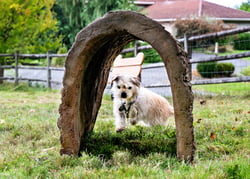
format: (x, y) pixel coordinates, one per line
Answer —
(87, 68)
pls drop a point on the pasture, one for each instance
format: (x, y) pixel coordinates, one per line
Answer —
(29, 139)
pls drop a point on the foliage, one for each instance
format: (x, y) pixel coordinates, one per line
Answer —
(226, 89)
(59, 61)
(76, 14)
(242, 42)
(27, 26)
(245, 6)
(198, 26)
(214, 69)
(151, 56)
(246, 71)
(30, 142)
(225, 69)
(207, 69)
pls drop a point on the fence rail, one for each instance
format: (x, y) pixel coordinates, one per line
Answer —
(207, 81)
(48, 56)
(16, 56)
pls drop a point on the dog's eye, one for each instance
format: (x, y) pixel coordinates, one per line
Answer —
(129, 87)
(118, 87)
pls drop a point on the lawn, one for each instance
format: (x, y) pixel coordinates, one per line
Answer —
(29, 139)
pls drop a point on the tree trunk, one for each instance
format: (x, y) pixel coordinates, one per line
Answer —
(87, 68)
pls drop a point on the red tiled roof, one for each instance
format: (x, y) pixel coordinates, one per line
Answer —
(174, 9)
(214, 10)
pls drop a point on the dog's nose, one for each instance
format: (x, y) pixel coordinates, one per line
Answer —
(124, 95)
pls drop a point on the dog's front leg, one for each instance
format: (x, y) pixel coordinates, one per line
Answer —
(120, 121)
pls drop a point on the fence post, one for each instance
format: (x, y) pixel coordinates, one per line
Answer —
(187, 46)
(136, 48)
(48, 70)
(216, 48)
(16, 54)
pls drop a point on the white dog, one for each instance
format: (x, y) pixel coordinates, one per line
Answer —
(136, 103)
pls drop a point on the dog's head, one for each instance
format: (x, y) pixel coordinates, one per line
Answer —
(125, 87)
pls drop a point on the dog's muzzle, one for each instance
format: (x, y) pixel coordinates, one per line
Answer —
(123, 95)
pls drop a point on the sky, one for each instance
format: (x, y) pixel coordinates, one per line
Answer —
(228, 3)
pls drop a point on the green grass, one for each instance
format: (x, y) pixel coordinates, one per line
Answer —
(226, 89)
(29, 139)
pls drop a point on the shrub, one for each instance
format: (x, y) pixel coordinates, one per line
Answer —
(59, 61)
(214, 69)
(207, 69)
(151, 56)
(199, 26)
(242, 42)
(225, 69)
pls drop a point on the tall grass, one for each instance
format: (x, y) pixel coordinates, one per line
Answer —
(29, 140)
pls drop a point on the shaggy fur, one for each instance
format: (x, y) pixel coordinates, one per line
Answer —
(136, 103)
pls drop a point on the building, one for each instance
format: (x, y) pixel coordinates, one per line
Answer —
(167, 12)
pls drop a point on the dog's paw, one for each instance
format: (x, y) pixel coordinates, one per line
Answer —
(120, 129)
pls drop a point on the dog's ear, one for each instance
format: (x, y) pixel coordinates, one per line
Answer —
(114, 78)
(136, 81)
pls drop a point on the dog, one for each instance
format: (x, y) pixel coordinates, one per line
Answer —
(134, 103)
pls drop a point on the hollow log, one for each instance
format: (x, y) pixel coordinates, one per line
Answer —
(87, 68)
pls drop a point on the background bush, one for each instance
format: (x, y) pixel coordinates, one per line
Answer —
(242, 42)
(225, 69)
(151, 56)
(207, 70)
(59, 61)
(214, 69)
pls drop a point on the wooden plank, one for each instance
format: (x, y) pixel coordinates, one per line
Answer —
(132, 61)
(221, 80)
(7, 55)
(16, 67)
(33, 68)
(128, 66)
(48, 70)
(7, 66)
(221, 58)
(35, 56)
(23, 79)
(217, 34)
(131, 70)
(207, 81)
(56, 69)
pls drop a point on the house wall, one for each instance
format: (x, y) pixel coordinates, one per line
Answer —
(169, 26)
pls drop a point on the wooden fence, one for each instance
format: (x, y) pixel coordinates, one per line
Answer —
(48, 56)
(16, 56)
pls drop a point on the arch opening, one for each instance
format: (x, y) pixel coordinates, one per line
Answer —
(87, 68)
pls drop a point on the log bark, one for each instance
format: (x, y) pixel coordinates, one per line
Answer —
(87, 68)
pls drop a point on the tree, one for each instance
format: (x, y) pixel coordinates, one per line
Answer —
(245, 6)
(76, 14)
(28, 26)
